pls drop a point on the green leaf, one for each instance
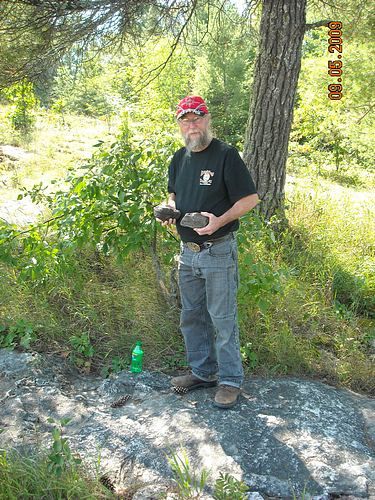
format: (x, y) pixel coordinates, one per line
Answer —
(263, 305)
(56, 434)
(65, 421)
(57, 446)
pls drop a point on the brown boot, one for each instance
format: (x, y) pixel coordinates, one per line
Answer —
(226, 396)
(191, 382)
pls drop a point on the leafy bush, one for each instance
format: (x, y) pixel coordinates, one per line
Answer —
(117, 364)
(109, 204)
(190, 485)
(228, 487)
(82, 351)
(21, 96)
(260, 279)
(20, 334)
(60, 458)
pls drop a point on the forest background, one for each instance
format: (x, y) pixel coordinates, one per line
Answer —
(88, 271)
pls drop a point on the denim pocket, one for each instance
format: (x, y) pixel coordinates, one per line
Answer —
(223, 249)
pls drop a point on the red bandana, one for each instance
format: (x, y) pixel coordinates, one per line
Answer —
(191, 104)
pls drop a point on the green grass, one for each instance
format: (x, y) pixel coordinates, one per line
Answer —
(321, 322)
(115, 304)
(29, 477)
(332, 242)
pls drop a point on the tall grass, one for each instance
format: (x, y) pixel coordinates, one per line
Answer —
(332, 238)
(113, 304)
(29, 477)
(322, 321)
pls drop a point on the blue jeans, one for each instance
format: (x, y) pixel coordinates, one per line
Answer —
(208, 285)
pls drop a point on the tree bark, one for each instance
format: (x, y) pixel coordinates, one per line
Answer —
(271, 107)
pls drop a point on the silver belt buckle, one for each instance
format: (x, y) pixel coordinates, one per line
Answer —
(194, 247)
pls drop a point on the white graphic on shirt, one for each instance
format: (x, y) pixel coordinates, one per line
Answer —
(206, 177)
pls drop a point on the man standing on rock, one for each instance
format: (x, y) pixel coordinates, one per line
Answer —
(209, 176)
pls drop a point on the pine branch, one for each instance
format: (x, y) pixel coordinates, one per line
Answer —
(367, 112)
(318, 24)
(158, 69)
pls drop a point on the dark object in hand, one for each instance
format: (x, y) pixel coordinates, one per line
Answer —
(194, 220)
(165, 212)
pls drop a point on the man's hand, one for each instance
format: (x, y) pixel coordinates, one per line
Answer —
(168, 222)
(213, 225)
(165, 222)
(171, 203)
(240, 208)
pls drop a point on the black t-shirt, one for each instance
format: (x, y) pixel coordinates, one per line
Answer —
(212, 181)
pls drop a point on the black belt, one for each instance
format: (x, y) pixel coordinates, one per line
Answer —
(197, 247)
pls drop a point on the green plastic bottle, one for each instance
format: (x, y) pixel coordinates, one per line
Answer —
(137, 358)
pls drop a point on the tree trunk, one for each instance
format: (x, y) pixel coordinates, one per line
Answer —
(271, 108)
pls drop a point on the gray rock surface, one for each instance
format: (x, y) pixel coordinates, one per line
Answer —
(287, 438)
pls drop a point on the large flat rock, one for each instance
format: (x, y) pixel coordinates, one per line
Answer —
(286, 438)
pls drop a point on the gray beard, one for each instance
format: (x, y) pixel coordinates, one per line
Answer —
(198, 143)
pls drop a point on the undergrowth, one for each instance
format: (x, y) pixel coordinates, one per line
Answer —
(95, 314)
(29, 476)
(317, 290)
(294, 325)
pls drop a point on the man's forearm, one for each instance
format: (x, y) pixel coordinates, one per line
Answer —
(240, 208)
